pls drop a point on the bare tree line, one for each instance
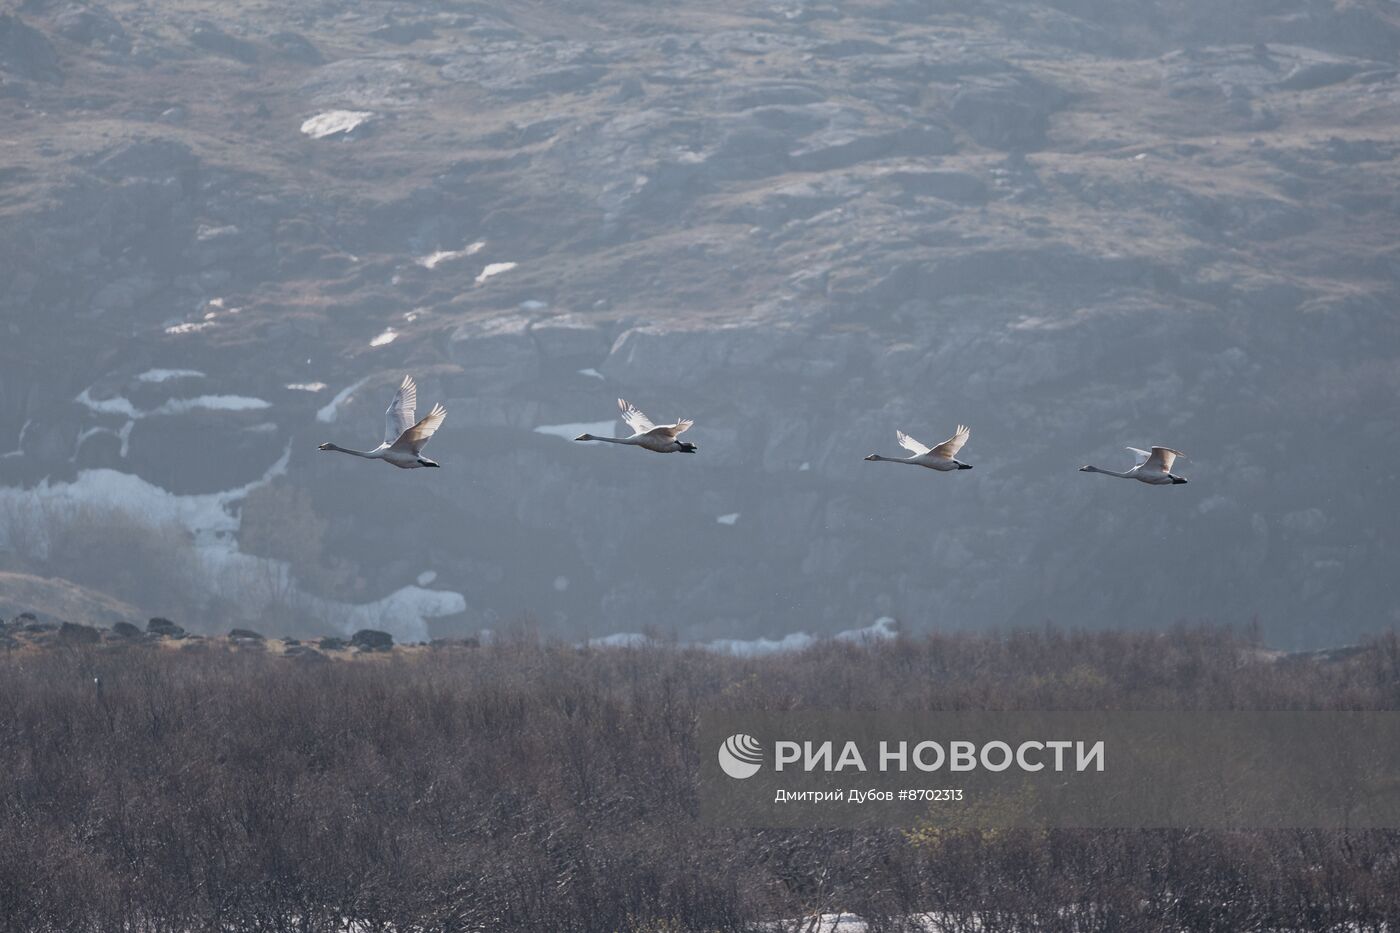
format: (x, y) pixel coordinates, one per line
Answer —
(539, 786)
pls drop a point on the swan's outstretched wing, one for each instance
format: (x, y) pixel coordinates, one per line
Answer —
(399, 417)
(672, 430)
(415, 437)
(638, 422)
(911, 445)
(952, 445)
(1140, 455)
(1162, 459)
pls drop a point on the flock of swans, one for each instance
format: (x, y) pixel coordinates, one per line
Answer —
(404, 439)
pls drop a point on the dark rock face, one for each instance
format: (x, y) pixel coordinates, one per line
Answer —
(245, 634)
(370, 639)
(331, 644)
(26, 52)
(125, 630)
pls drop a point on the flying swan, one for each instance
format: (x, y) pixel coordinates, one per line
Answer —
(1153, 467)
(403, 438)
(941, 458)
(660, 438)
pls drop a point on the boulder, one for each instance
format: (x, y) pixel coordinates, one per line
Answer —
(77, 634)
(125, 630)
(244, 634)
(165, 628)
(331, 643)
(369, 639)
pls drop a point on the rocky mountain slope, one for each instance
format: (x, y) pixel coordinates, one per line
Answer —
(227, 230)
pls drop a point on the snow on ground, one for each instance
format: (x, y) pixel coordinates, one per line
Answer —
(19, 442)
(727, 519)
(494, 269)
(307, 386)
(591, 373)
(335, 122)
(331, 410)
(228, 574)
(570, 431)
(881, 629)
(388, 337)
(433, 260)
(165, 375)
(117, 405)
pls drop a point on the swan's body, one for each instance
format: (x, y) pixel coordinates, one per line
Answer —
(943, 458)
(1153, 467)
(403, 437)
(660, 438)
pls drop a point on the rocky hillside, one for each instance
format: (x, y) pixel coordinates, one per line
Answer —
(227, 230)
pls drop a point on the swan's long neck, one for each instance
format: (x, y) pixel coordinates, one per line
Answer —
(877, 457)
(615, 440)
(354, 453)
(1094, 469)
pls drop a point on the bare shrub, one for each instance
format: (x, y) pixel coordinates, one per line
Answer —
(530, 786)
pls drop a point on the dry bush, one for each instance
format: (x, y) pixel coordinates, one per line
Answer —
(528, 786)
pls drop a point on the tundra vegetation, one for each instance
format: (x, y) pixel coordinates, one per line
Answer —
(157, 784)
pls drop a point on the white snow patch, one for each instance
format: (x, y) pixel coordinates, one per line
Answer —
(426, 577)
(620, 640)
(533, 304)
(19, 443)
(433, 260)
(561, 584)
(331, 410)
(590, 372)
(404, 613)
(307, 386)
(334, 122)
(189, 327)
(165, 375)
(570, 431)
(254, 583)
(494, 269)
(758, 647)
(388, 337)
(727, 519)
(117, 405)
(178, 406)
(881, 629)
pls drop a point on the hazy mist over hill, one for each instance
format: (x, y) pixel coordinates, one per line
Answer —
(227, 230)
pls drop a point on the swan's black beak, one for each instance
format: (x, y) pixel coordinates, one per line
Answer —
(584, 437)
(1085, 469)
(324, 447)
(872, 456)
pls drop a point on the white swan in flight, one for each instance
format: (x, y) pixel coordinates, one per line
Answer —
(660, 438)
(1153, 467)
(403, 437)
(942, 458)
